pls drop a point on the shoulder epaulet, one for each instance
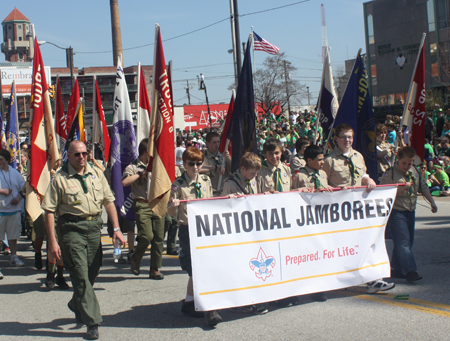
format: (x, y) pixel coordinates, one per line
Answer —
(205, 177)
(304, 170)
(180, 180)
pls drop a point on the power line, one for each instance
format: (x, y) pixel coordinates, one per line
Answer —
(199, 29)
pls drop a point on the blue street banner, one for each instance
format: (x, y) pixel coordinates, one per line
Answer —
(242, 129)
(12, 129)
(123, 144)
(356, 110)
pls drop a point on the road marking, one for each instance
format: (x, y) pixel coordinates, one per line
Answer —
(411, 304)
(108, 240)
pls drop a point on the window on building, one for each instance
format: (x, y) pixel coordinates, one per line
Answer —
(399, 98)
(391, 99)
(9, 27)
(376, 101)
(431, 20)
(442, 13)
(19, 26)
(20, 55)
(435, 60)
(110, 81)
(110, 97)
(101, 97)
(373, 72)
(383, 100)
(370, 29)
(20, 38)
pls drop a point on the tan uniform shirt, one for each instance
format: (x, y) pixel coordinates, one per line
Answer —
(265, 178)
(183, 188)
(305, 178)
(65, 193)
(384, 163)
(216, 160)
(338, 169)
(297, 162)
(138, 187)
(236, 184)
(404, 201)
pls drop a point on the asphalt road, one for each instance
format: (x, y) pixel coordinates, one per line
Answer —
(137, 308)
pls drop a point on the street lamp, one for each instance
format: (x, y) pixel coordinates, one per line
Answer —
(307, 89)
(69, 57)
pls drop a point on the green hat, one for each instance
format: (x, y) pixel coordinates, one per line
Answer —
(438, 166)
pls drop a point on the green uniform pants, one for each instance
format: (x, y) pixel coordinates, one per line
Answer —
(171, 228)
(150, 230)
(81, 250)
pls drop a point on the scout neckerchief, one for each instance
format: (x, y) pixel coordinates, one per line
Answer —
(276, 177)
(81, 178)
(197, 186)
(317, 183)
(353, 171)
(410, 178)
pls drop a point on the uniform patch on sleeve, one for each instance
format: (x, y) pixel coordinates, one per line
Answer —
(174, 188)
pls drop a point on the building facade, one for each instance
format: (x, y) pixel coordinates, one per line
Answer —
(393, 32)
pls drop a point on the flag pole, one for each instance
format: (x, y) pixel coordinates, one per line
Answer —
(253, 52)
(319, 101)
(138, 136)
(17, 121)
(408, 98)
(94, 116)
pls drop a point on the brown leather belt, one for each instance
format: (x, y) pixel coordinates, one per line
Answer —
(141, 200)
(75, 219)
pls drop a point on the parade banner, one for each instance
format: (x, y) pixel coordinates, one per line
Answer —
(263, 248)
(196, 116)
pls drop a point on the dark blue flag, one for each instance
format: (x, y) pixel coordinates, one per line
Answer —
(356, 110)
(12, 131)
(242, 131)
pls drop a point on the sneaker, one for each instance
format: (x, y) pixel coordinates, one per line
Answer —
(413, 276)
(379, 285)
(213, 318)
(256, 309)
(38, 260)
(15, 261)
(134, 265)
(1, 275)
(7, 251)
(92, 333)
(50, 280)
(188, 308)
(61, 283)
(121, 260)
(77, 314)
(155, 274)
(318, 297)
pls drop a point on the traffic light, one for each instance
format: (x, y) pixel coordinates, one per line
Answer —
(51, 89)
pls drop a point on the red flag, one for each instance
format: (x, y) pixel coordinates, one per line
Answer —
(101, 135)
(43, 148)
(73, 104)
(414, 109)
(61, 129)
(223, 140)
(162, 159)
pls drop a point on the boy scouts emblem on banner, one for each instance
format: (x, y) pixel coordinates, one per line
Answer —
(262, 265)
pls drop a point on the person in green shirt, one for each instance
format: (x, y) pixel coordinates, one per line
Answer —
(443, 181)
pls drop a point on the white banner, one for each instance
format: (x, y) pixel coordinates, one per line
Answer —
(263, 248)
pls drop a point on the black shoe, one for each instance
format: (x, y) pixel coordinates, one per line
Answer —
(77, 314)
(38, 260)
(134, 265)
(318, 297)
(413, 276)
(397, 274)
(61, 282)
(188, 308)
(91, 333)
(50, 280)
(172, 252)
(213, 318)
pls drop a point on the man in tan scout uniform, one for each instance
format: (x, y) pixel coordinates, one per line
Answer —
(212, 165)
(150, 226)
(401, 222)
(77, 195)
(190, 185)
(274, 176)
(312, 175)
(243, 181)
(346, 167)
(298, 160)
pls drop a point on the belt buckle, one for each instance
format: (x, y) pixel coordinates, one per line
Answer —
(90, 218)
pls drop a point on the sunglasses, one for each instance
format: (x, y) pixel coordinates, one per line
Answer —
(82, 153)
(192, 163)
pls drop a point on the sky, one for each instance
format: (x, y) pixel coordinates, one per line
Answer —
(296, 30)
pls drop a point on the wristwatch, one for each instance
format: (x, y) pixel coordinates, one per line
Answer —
(116, 229)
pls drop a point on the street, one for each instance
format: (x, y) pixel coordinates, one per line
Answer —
(137, 308)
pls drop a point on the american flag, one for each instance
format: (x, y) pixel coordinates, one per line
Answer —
(260, 44)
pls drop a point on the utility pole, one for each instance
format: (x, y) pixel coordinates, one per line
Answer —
(235, 38)
(187, 91)
(287, 88)
(69, 61)
(307, 89)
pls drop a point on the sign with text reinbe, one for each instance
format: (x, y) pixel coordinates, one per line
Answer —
(263, 248)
